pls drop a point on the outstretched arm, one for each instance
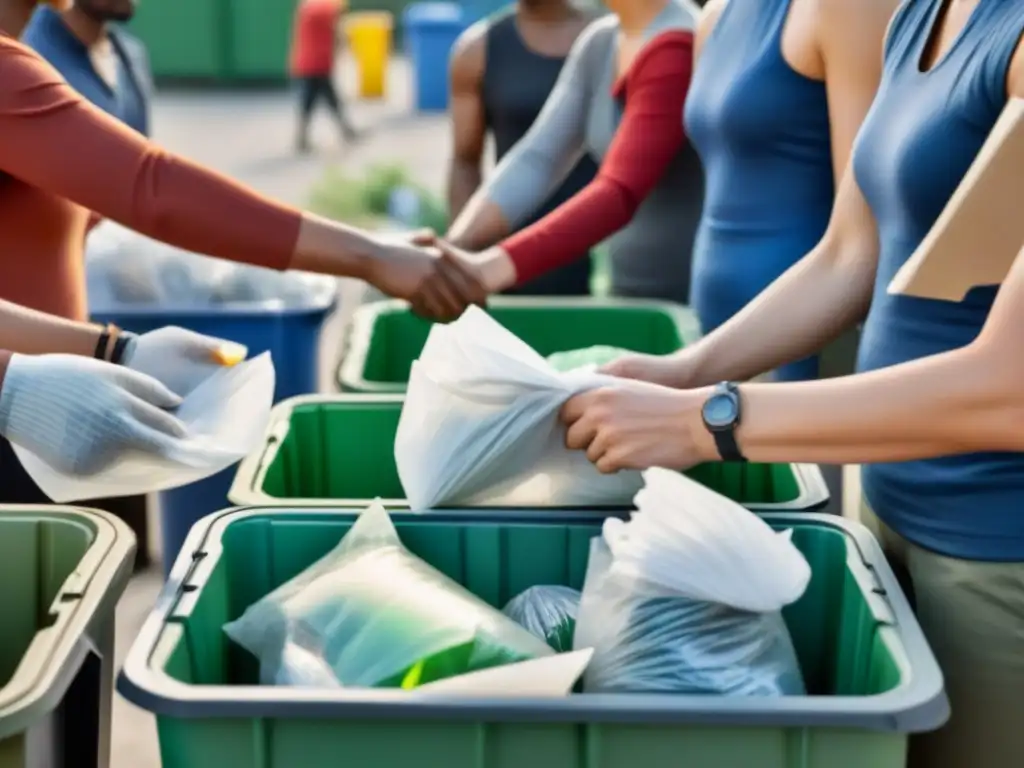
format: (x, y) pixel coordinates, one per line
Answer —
(966, 400)
(58, 142)
(469, 126)
(539, 162)
(648, 138)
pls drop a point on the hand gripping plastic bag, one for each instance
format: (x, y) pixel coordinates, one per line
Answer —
(372, 614)
(548, 613)
(226, 417)
(480, 425)
(686, 597)
(588, 358)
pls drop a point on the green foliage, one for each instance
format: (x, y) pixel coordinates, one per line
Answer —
(364, 201)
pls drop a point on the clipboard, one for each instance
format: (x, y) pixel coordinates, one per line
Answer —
(981, 230)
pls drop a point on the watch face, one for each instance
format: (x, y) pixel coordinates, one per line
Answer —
(720, 411)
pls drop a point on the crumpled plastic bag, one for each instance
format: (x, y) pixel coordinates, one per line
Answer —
(686, 598)
(125, 268)
(226, 417)
(480, 426)
(588, 358)
(548, 612)
(372, 614)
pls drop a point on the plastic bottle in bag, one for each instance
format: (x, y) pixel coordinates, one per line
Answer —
(377, 616)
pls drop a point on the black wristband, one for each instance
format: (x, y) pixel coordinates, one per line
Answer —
(102, 343)
(120, 345)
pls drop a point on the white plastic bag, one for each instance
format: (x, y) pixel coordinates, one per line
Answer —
(370, 614)
(686, 597)
(126, 268)
(226, 417)
(480, 425)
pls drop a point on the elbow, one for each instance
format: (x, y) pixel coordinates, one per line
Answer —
(995, 398)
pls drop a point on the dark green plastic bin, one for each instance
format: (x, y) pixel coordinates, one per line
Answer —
(338, 450)
(871, 676)
(385, 337)
(62, 571)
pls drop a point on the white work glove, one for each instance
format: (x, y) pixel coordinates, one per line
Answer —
(181, 360)
(80, 415)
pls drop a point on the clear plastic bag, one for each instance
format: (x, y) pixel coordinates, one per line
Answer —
(125, 268)
(687, 596)
(371, 614)
(480, 425)
(588, 358)
(548, 612)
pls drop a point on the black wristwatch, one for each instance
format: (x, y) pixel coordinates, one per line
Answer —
(721, 414)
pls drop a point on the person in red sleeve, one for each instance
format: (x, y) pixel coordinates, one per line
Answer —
(315, 43)
(619, 98)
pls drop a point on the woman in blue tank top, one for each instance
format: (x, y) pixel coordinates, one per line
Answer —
(937, 410)
(760, 123)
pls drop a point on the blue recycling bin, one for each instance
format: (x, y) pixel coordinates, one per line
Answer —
(431, 30)
(291, 335)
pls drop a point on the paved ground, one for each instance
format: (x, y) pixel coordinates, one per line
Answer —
(249, 136)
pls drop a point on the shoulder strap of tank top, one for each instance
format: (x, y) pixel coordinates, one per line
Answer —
(995, 33)
(501, 30)
(911, 23)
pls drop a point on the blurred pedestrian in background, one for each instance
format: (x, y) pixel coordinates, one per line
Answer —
(110, 68)
(316, 39)
(502, 71)
(619, 98)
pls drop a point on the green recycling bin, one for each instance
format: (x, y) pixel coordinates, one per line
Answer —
(871, 677)
(63, 571)
(385, 337)
(331, 450)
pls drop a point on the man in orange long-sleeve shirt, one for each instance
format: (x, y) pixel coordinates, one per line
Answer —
(315, 43)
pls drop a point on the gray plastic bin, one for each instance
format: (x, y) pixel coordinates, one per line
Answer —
(63, 571)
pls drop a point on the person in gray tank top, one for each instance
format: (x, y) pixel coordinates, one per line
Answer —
(618, 99)
(502, 70)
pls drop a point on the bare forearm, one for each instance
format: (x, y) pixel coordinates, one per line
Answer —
(464, 180)
(333, 248)
(479, 225)
(957, 402)
(809, 306)
(30, 332)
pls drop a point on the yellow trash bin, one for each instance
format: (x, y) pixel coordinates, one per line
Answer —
(369, 38)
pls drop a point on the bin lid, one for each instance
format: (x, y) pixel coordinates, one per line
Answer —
(433, 14)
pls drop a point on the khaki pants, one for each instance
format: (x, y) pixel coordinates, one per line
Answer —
(973, 616)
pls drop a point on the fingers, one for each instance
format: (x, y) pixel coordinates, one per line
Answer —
(229, 353)
(461, 276)
(453, 286)
(146, 388)
(154, 418)
(423, 237)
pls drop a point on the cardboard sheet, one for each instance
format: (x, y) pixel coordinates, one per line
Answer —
(978, 235)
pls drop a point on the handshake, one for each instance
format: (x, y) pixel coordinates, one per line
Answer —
(436, 277)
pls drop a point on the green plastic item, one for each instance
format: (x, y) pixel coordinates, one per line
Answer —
(63, 571)
(378, 617)
(331, 450)
(871, 675)
(384, 338)
(597, 356)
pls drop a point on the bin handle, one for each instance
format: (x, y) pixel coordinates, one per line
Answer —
(277, 433)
